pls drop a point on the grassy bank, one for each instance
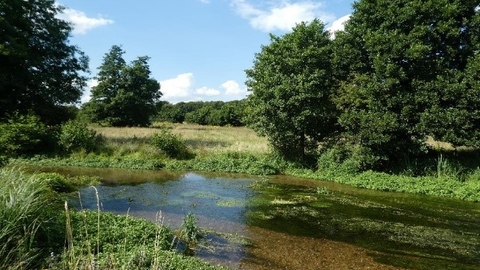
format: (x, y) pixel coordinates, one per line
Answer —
(38, 231)
(448, 172)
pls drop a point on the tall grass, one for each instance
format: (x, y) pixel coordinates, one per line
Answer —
(203, 140)
(25, 221)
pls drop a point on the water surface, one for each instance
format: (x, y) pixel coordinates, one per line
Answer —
(293, 223)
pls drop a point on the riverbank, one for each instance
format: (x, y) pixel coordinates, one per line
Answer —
(447, 172)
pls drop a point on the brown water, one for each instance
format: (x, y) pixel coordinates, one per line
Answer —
(292, 223)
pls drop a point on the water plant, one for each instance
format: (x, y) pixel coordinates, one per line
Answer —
(190, 232)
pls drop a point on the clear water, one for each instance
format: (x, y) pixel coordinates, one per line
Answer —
(292, 223)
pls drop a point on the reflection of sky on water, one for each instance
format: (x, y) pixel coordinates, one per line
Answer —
(218, 203)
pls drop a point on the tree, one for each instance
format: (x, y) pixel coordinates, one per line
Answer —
(291, 82)
(126, 95)
(408, 72)
(39, 70)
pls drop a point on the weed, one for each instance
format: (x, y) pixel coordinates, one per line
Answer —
(323, 191)
(190, 232)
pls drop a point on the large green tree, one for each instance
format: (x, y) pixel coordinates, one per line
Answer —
(409, 69)
(126, 95)
(290, 84)
(39, 69)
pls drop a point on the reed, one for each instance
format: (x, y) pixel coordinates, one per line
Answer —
(24, 201)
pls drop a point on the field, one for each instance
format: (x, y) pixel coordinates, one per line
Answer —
(203, 140)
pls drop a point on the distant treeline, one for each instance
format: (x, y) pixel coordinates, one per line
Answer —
(214, 113)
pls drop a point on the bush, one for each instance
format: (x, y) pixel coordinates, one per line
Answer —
(170, 144)
(346, 158)
(25, 135)
(75, 136)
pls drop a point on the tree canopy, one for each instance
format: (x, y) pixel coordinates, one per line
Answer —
(402, 71)
(290, 84)
(126, 95)
(39, 69)
(411, 75)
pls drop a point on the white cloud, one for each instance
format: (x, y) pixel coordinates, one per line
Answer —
(205, 1)
(205, 91)
(81, 22)
(178, 87)
(281, 16)
(88, 91)
(232, 88)
(182, 88)
(338, 25)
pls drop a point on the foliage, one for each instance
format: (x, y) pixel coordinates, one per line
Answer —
(97, 161)
(401, 82)
(171, 145)
(25, 134)
(40, 69)
(189, 231)
(227, 162)
(62, 184)
(27, 220)
(216, 113)
(76, 136)
(345, 158)
(291, 85)
(125, 94)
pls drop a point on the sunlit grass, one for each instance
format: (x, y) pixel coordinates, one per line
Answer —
(203, 140)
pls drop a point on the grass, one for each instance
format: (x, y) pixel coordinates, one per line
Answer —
(27, 221)
(203, 140)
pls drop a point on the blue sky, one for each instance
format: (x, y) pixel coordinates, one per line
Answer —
(199, 49)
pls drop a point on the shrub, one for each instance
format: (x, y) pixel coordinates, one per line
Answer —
(75, 136)
(346, 158)
(170, 144)
(25, 134)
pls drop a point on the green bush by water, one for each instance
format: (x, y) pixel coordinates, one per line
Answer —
(25, 135)
(76, 136)
(173, 146)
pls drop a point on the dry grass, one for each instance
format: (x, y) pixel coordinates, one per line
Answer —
(201, 139)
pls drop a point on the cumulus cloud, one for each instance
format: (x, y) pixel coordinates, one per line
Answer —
(338, 25)
(81, 22)
(232, 88)
(178, 87)
(205, 91)
(86, 94)
(182, 88)
(281, 16)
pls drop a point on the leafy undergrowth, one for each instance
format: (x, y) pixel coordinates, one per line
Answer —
(109, 241)
(467, 189)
